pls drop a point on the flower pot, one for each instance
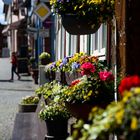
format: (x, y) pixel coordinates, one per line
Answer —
(81, 110)
(79, 25)
(57, 129)
(34, 74)
(44, 61)
(27, 108)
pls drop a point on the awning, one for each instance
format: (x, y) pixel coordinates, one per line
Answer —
(17, 24)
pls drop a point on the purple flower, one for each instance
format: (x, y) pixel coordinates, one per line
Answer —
(53, 65)
(61, 65)
(65, 60)
(75, 65)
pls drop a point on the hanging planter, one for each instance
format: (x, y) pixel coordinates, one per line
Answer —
(79, 25)
(81, 17)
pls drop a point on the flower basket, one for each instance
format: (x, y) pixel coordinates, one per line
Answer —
(27, 108)
(79, 25)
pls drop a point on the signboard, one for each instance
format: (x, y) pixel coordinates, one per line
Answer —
(42, 11)
(44, 32)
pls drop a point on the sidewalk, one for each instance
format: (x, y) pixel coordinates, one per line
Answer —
(25, 83)
(10, 95)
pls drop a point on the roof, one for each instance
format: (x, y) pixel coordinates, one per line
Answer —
(17, 24)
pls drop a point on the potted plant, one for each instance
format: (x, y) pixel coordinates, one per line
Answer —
(121, 119)
(29, 103)
(94, 88)
(39, 91)
(83, 16)
(44, 58)
(56, 117)
(52, 91)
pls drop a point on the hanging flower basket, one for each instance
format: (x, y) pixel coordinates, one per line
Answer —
(83, 16)
(79, 25)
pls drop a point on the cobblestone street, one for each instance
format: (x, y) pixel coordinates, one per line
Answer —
(10, 95)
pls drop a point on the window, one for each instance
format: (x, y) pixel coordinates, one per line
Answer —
(98, 42)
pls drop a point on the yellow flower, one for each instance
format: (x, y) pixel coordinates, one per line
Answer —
(90, 93)
(94, 109)
(94, 1)
(58, 62)
(52, 1)
(119, 116)
(134, 123)
(137, 90)
(127, 94)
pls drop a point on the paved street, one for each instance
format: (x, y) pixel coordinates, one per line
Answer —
(10, 95)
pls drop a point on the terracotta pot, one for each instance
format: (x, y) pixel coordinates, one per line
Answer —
(79, 25)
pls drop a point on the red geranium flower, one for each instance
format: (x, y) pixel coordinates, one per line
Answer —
(106, 75)
(73, 83)
(128, 82)
(87, 68)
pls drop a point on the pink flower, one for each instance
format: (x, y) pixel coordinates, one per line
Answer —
(87, 68)
(106, 75)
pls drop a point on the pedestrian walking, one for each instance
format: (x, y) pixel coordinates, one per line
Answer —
(14, 66)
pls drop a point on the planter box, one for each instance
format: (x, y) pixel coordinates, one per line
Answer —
(27, 108)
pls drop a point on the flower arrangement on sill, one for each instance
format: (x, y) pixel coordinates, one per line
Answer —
(33, 99)
(54, 111)
(67, 64)
(96, 83)
(98, 11)
(72, 63)
(121, 118)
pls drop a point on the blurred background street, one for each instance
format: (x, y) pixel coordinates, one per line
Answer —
(10, 95)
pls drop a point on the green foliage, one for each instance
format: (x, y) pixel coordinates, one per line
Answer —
(121, 118)
(54, 111)
(30, 100)
(44, 55)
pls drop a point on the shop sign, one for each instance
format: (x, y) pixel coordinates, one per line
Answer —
(44, 33)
